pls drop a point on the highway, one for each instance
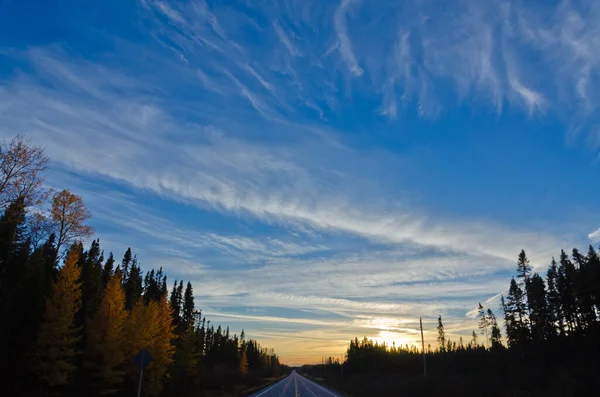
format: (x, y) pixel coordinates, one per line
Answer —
(295, 386)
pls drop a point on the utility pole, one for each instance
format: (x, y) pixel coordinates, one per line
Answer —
(423, 346)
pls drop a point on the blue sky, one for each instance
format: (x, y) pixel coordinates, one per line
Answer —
(319, 170)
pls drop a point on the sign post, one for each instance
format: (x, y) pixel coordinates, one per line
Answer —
(141, 360)
(423, 346)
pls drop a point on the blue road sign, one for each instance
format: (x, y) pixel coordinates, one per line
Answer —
(142, 359)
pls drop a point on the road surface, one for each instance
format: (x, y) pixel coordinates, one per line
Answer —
(295, 386)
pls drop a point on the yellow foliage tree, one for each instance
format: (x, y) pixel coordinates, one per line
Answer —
(162, 347)
(140, 326)
(106, 340)
(243, 364)
(69, 215)
(150, 326)
(52, 354)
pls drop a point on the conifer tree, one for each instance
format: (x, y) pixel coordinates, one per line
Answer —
(12, 245)
(125, 264)
(441, 335)
(106, 340)
(484, 323)
(474, 340)
(133, 283)
(514, 307)
(52, 355)
(243, 364)
(593, 261)
(92, 286)
(108, 269)
(176, 302)
(553, 298)
(540, 318)
(160, 347)
(188, 306)
(523, 268)
(566, 290)
(496, 335)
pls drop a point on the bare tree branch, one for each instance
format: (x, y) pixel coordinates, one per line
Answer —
(21, 168)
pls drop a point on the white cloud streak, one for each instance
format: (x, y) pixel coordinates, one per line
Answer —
(285, 40)
(344, 42)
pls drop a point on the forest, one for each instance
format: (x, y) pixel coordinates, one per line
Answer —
(72, 319)
(550, 345)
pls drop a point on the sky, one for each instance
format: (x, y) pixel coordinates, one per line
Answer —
(320, 170)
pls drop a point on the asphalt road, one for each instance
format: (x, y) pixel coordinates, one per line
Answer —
(295, 386)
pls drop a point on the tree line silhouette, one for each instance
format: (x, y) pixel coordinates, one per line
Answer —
(71, 320)
(550, 345)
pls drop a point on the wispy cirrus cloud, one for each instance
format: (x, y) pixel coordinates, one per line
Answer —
(344, 43)
(267, 153)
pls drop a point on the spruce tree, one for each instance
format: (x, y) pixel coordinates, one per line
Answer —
(566, 290)
(484, 323)
(540, 317)
(593, 261)
(175, 302)
(12, 224)
(133, 283)
(91, 276)
(108, 269)
(188, 306)
(516, 309)
(583, 286)
(474, 340)
(441, 335)
(554, 302)
(496, 335)
(523, 267)
(125, 264)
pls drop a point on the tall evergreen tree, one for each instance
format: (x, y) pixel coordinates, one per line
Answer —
(484, 323)
(188, 306)
(553, 297)
(133, 283)
(91, 276)
(51, 358)
(523, 267)
(175, 301)
(441, 338)
(12, 225)
(583, 286)
(125, 264)
(517, 327)
(474, 340)
(108, 269)
(540, 317)
(496, 335)
(566, 289)
(593, 261)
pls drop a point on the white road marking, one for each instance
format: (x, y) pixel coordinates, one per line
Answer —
(319, 386)
(276, 384)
